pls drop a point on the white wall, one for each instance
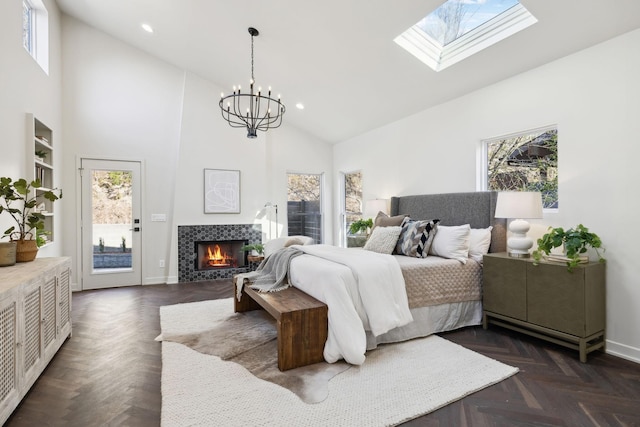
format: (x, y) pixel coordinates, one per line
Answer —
(122, 103)
(594, 98)
(26, 88)
(208, 142)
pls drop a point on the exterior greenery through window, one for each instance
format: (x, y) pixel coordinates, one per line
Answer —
(27, 27)
(525, 162)
(304, 205)
(352, 205)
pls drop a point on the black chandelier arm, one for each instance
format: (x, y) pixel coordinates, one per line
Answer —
(237, 116)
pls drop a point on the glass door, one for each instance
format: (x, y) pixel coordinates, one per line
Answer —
(111, 224)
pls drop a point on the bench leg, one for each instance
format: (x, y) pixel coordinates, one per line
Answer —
(301, 337)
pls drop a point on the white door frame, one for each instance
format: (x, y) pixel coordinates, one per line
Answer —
(79, 235)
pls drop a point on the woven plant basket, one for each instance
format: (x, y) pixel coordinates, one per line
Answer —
(26, 250)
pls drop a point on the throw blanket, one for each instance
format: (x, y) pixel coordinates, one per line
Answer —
(271, 274)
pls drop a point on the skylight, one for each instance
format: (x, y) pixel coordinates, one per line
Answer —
(458, 29)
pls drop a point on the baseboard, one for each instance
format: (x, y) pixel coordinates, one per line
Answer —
(624, 351)
(161, 280)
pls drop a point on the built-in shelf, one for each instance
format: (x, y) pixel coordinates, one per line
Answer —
(40, 149)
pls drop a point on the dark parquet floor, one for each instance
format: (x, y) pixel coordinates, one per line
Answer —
(108, 373)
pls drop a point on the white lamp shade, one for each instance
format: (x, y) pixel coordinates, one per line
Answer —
(519, 204)
(372, 207)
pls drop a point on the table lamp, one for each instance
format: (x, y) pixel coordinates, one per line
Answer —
(519, 205)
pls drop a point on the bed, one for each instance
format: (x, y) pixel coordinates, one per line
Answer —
(375, 298)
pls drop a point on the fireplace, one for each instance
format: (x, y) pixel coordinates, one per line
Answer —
(189, 257)
(216, 254)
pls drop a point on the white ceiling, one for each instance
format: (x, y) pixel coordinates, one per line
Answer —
(338, 56)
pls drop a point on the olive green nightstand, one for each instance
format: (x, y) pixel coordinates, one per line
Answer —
(546, 301)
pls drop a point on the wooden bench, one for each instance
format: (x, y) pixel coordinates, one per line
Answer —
(302, 323)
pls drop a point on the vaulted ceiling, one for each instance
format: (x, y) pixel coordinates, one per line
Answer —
(338, 57)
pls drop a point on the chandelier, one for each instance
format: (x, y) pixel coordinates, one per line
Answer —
(253, 109)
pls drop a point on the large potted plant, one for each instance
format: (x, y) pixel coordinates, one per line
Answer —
(19, 199)
(574, 241)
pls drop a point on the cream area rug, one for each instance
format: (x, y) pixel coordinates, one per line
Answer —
(397, 382)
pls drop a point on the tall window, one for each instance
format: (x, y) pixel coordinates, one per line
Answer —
(27, 26)
(304, 205)
(352, 205)
(35, 31)
(524, 162)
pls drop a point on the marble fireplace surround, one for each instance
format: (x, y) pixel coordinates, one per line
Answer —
(189, 234)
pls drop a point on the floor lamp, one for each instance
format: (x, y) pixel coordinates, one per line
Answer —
(271, 205)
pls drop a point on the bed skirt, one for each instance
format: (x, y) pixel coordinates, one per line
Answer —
(431, 320)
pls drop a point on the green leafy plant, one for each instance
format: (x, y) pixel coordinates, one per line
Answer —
(41, 237)
(258, 247)
(123, 245)
(41, 153)
(19, 198)
(574, 240)
(360, 225)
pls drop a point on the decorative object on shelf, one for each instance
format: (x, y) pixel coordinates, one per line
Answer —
(27, 196)
(221, 191)
(7, 253)
(574, 242)
(253, 109)
(519, 205)
(41, 155)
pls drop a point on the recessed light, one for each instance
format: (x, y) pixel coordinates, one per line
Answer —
(300, 106)
(147, 28)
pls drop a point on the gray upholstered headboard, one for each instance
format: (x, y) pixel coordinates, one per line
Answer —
(476, 209)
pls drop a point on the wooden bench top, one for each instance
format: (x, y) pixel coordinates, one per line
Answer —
(284, 301)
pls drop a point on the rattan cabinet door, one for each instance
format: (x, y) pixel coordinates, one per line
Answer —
(32, 332)
(9, 376)
(50, 313)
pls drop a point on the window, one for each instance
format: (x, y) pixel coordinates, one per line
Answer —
(352, 206)
(460, 28)
(304, 205)
(27, 33)
(526, 161)
(35, 31)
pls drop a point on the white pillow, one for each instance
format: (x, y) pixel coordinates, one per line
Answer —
(275, 245)
(479, 242)
(383, 239)
(452, 242)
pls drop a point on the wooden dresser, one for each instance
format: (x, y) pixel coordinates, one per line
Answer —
(546, 300)
(35, 319)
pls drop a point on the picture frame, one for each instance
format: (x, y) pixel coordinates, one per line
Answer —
(221, 191)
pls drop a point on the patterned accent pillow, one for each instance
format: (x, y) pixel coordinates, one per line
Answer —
(416, 237)
(383, 240)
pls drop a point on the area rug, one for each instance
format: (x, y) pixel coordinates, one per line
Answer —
(397, 382)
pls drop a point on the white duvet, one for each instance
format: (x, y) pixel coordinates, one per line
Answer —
(364, 290)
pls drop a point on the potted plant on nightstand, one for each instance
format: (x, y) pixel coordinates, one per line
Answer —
(574, 242)
(257, 251)
(19, 198)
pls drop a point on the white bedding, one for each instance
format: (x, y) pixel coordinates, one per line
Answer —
(364, 291)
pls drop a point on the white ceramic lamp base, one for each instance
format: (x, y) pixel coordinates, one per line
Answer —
(518, 244)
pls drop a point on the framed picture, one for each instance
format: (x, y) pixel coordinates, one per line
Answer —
(221, 191)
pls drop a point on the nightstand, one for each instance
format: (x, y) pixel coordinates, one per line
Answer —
(546, 301)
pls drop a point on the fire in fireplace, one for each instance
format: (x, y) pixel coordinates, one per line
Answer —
(220, 254)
